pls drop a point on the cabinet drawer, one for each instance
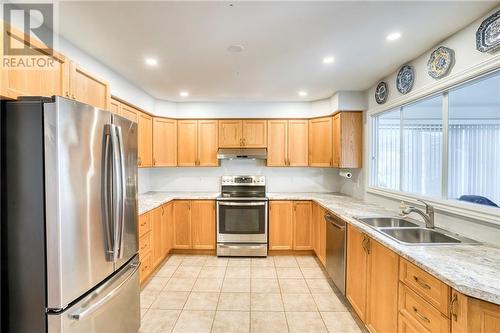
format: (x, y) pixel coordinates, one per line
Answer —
(420, 312)
(425, 285)
(407, 326)
(145, 266)
(144, 223)
(145, 243)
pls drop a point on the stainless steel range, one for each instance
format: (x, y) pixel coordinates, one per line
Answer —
(242, 216)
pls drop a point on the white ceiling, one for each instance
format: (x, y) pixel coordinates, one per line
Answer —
(284, 43)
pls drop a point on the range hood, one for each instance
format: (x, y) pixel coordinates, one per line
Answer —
(242, 153)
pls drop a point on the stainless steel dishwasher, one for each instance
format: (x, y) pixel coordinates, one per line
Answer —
(336, 250)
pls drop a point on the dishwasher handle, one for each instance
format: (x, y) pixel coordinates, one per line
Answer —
(331, 220)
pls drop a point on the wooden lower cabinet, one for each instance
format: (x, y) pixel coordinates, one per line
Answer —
(167, 228)
(382, 288)
(280, 225)
(203, 224)
(194, 224)
(372, 281)
(471, 315)
(319, 232)
(156, 230)
(356, 271)
(302, 225)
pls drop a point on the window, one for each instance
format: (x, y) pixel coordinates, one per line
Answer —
(408, 145)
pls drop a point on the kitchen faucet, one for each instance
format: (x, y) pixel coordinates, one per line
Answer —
(428, 216)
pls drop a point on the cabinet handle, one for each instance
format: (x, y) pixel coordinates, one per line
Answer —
(67, 94)
(421, 316)
(331, 161)
(363, 244)
(162, 211)
(154, 161)
(421, 283)
(244, 141)
(139, 160)
(368, 245)
(73, 96)
(453, 305)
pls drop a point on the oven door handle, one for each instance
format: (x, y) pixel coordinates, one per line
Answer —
(222, 203)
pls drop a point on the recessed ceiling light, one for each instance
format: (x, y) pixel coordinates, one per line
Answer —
(393, 36)
(235, 48)
(151, 61)
(328, 60)
(302, 93)
(184, 93)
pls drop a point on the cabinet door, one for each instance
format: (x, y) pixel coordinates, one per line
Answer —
(302, 225)
(315, 227)
(298, 142)
(280, 225)
(166, 228)
(203, 224)
(208, 143)
(156, 230)
(230, 133)
(320, 142)
(350, 143)
(114, 106)
(322, 236)
(277, 133)
(164, 142)
(129, 112)
(182, 224)
(337, 148)
(255, 133)
(187, 142)
(471, 315)
(145, 140)
(382, 288)
(89, 89)
(50, 79)
(356, 272)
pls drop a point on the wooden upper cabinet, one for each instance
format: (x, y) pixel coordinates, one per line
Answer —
(187, 142)
(208, 143)
(203, 224)
(230, 133)
(382, 289)
(277, 145)
(87, 88)
(347, 140)
(114, 106)
(145, 140)
(280, 225)
(320, 142)
(255, 133)
(298, 142)
(164, 142)
(471, 315)
(129, 112)
(302, 225)
(182, 224)
(356, 270)
(236, 133)
(19, 81)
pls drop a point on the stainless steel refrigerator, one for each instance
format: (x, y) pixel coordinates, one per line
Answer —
(69, 218)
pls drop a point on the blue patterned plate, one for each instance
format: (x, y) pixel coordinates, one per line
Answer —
(488, 34)
(405, 79)
(381, 93)
(440, 62)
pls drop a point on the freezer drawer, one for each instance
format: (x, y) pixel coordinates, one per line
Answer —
(112, 307)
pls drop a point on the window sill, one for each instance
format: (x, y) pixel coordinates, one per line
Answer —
(489, 215)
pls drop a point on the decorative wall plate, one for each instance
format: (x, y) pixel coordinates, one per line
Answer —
(440, 62)
(405, 79)
(488, 34)
(381, 93)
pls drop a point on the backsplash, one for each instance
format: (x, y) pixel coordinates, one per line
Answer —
(292, 179)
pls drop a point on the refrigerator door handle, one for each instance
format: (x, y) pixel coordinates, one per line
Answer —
(106, 194)
(117, 191)
(84, 312)
(122, 191)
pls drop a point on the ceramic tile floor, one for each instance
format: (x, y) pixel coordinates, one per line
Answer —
(196, 294)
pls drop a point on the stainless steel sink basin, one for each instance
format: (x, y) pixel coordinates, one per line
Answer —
(388, 222)
(422, 236)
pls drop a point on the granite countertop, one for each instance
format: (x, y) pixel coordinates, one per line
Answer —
(473, 270)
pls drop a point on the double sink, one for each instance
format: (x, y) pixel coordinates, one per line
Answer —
(409, 232)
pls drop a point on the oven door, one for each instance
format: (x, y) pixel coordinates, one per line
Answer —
(241, 221)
